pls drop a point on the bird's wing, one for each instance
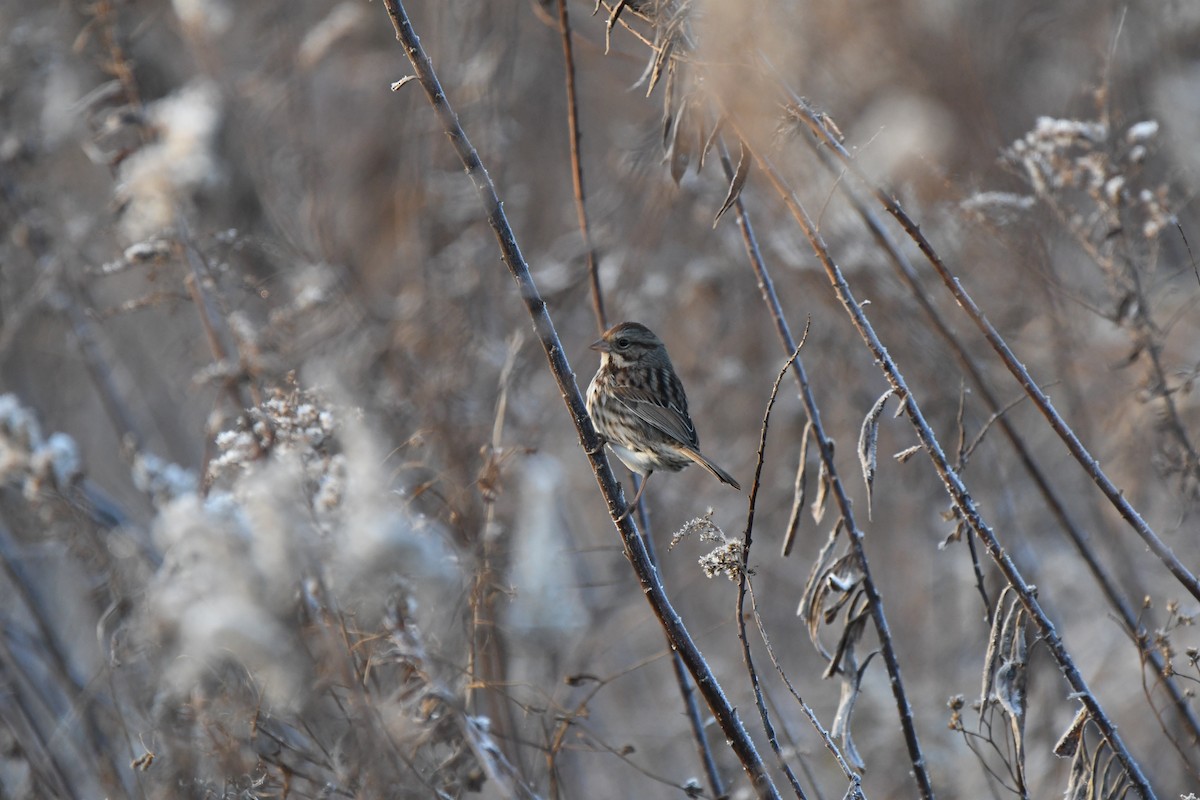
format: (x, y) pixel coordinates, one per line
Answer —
(670, 419)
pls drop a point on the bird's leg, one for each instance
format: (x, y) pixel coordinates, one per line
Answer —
(632, 504)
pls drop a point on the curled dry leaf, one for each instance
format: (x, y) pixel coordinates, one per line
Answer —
(735, 186)
(834, 586)
(955, 535)
(840, 729)
(1096, 775)
(711, 140)
(868, 440)
(857, 613)
(810, 606)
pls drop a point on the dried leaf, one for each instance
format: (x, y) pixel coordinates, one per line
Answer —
(841, 581)
(710, 140)
(612, 20)
(1079, 784)
(843, 660)
(841, 724)
(662, 58)
(1010, 688)
(798, 492)
(955, 535)
(678, 158)
(1012, 633)
(818, 506)
(840, 729)
(991, 659)
(1068, 743)
(735, 186)
(868, 440)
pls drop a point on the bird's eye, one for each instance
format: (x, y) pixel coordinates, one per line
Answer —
(622, 343)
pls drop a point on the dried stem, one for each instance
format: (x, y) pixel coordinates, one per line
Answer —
(686, 690)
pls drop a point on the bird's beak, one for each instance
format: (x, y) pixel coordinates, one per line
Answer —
(600, 345)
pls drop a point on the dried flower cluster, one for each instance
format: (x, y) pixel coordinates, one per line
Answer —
(30, 460)
(1060, 155)
(725, 559)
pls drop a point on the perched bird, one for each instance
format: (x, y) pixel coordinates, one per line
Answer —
(638, 405)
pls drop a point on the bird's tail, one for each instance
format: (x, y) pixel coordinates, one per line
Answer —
(717, 472)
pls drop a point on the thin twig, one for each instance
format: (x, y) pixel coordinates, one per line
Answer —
(686, 691)
(32, 742)
(128, 432)
(726, 716)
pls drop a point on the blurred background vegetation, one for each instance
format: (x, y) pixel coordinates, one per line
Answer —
(256, 291)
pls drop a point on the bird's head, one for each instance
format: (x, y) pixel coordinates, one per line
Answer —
(629, 343)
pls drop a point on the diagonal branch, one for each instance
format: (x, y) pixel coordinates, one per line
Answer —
(635, 549)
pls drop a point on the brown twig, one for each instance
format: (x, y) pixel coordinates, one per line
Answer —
(564, 26)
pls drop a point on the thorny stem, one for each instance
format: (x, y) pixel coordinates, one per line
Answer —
(743, 580)
(1086, 460)
(647, 575)
(954, 485)
(564, 26)
(825, 446)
